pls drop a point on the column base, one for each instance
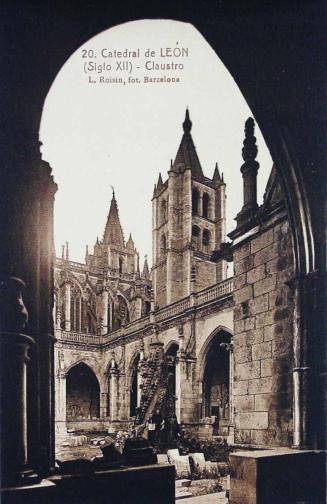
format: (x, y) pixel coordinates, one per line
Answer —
(41, 492)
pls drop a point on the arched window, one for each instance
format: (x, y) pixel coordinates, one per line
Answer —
(75, 309)
(206, 240)
(121, 262)
(89, 320)
(163, 243)
(195, 237)
(195, 200)
(163, 211)
(82, 393)
(205, 205)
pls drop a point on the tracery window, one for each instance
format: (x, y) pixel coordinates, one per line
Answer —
(205, 205)
(195, 200)
(206, 240)
(195, 237)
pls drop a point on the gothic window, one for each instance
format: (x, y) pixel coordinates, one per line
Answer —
(205, 205)
(195, 200)
(163, 212)
(75, 309)
(163, 243)
(121, 262)
(121, 313)
(206, 240)
(89, 321)
(195, 237)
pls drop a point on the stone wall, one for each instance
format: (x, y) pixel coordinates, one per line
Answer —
(263, 338)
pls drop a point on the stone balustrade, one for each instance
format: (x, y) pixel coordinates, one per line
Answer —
(215, 292)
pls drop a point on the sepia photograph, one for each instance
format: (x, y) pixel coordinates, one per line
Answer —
(163, 200)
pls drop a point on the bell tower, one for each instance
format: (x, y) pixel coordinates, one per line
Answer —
(188, 217)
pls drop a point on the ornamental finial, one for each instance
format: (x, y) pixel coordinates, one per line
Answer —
(187, 124)
(250, 149)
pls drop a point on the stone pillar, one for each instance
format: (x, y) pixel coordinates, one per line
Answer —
(178, 388)
(15, 468)
(105, 298)
(113, 394)
(61, 404)
(67, 306)
(103, 404)
(249, 172)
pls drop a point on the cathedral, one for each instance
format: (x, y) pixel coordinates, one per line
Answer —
(130, 341)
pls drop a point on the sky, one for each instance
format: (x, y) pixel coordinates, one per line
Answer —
(98, 132)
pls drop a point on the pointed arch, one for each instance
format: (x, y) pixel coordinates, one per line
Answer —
(82, 393)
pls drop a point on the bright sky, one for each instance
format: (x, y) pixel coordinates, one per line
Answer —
(98, 135)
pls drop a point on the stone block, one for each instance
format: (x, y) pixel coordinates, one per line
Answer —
(277, 476)
(268, 284)
(242, 436)
(267, 367)
(256, 274)
(241, 252)
(198, 460)
(249, 323)
(172, 455)
(242, 354)
(261, 385)
(247, 371)
(262, 241)
(271, 402)
(279, 297)
(264, 319)
(239, 326)
(281, 345)
(261, 351)
(244, 403)
(259, 304)
(243, 265)
(182, 466)
(265, 255)
(254, 336)
(239, 281)
(240, 387)
(243, 294)
(240, 339)
(251, 420)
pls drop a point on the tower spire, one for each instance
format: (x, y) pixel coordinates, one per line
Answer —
(186, 157)
(113, 234)
(187, 124)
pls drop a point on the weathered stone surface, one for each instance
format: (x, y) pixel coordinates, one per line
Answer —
(259, 304)
(244, 403)
(243, 294)
(241, 252)
(261, 385)
(239, 281)
(264, 319)
(240, 388)
(254, 336)
(262, 241)
(247, 371)
(243, 265)
(242, 436)
(267, 367)
(243, 354)
(249, 323)
(266, 285)
(239, 326)
(256, 274)
(251, 420)
(265, 255)
(261, 351)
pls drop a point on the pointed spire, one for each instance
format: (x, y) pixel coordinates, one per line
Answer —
(187, 124)
(154, 191)
(159, 183)
(67, 251)
(146, 272)
(187, 157)
(86, 252)
(113, 234)
(62, 251)
(216, 175)
(130, 242)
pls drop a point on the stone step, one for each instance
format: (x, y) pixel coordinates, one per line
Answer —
(182, 494)
(182, 483)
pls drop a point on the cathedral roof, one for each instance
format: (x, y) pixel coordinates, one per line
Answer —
(187, 157)
(113, 234)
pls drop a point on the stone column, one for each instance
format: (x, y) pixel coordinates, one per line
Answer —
(178, 388)
(105, 298)
(15, 468)
(113, 394)
(67, 306)
(61, 405)
(249, 172)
